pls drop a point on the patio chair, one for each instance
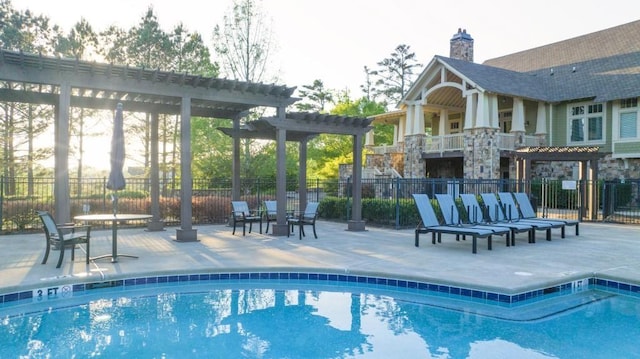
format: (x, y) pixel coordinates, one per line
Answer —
(270, 212)
(497, 214)
(306, 218)
(512, 213)
(242, 214)
(526, 209)
(476, 215)
(452, 217)
(55, 236)
(429, 224)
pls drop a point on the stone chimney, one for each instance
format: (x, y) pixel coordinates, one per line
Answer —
(461, 46)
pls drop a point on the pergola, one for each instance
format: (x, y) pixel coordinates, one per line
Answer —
(65, 83)
(586, 156)
(301, 127)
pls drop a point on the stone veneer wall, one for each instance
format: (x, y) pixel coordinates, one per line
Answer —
(414, 166)
(481, 154)
(608, 169)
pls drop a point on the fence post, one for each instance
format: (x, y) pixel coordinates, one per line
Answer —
(348, 189)
(1, 201)
(397, 195)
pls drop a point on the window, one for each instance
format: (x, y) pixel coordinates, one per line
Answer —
(628, 124)
(628, 118)
(586, 120)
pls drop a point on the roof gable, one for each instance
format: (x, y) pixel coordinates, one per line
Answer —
(618, 40)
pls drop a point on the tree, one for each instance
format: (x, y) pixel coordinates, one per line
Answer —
(81, 43)
(396, 74)
(243, 45)
(314, 97)
(327, 151)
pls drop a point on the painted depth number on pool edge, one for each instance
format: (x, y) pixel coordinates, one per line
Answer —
(50, 293)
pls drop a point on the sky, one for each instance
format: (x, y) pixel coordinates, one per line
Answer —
(332, 40)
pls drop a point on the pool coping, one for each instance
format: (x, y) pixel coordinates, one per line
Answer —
(491, 297)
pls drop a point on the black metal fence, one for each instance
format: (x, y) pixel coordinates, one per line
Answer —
(385, 201)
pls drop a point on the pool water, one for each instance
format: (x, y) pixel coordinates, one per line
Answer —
(297, 320)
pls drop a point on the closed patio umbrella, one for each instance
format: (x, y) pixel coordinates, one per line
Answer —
(116, 179)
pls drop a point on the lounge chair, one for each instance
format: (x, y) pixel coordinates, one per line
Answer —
(56, 236)
(429, 224)
(526, 209)
(270, 212)
(477, 215)
(452, 217)
(496, 214)
(513, 214)
(242, 214)
(306, 218)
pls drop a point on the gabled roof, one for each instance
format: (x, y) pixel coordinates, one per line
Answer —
(602, 66)
(618, 40)
(497, 80)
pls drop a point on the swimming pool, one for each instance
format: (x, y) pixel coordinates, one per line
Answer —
(303, 318)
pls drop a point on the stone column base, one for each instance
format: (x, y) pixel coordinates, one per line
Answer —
(356, 226)
(187, 235)
(280, 229)
(155, 226)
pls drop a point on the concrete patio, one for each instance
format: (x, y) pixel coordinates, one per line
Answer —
(604, 250)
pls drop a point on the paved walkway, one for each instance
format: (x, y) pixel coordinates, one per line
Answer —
(603, 250)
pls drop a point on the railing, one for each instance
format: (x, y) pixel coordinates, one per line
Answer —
(455, 142)
(444, 143)
(507, 141)
(381, 150)
(385, 201)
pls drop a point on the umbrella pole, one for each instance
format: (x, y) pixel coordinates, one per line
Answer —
(114, 200)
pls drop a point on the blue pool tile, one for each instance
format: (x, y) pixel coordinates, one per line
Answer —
(313, 276)
(392, 282)
(412, 284)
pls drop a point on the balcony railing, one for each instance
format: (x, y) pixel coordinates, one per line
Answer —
(444, 143)
(507, 141)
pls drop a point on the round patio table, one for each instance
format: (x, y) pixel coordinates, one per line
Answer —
(114, 219)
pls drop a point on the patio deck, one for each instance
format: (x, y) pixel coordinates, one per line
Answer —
(609, 251)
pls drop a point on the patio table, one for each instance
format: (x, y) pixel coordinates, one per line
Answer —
(114, 219)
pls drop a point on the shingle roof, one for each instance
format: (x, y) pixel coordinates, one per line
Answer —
(603, 66)
(618, 40)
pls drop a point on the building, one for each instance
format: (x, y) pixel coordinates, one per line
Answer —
(461, 119)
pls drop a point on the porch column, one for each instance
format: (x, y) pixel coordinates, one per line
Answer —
(368, 139)
(444, 120)
(541, 119)
(409, 126)
(418, 120)
(493, 111)
(469, 112)
(402, 129)
(482, 114)
(396, 134)
(517, 124)
(62, 199)
(186, 233)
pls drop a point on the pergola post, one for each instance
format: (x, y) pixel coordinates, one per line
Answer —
(280, 228)
(186, 233)
(156, 224)
(62, 201)
(356, 223)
